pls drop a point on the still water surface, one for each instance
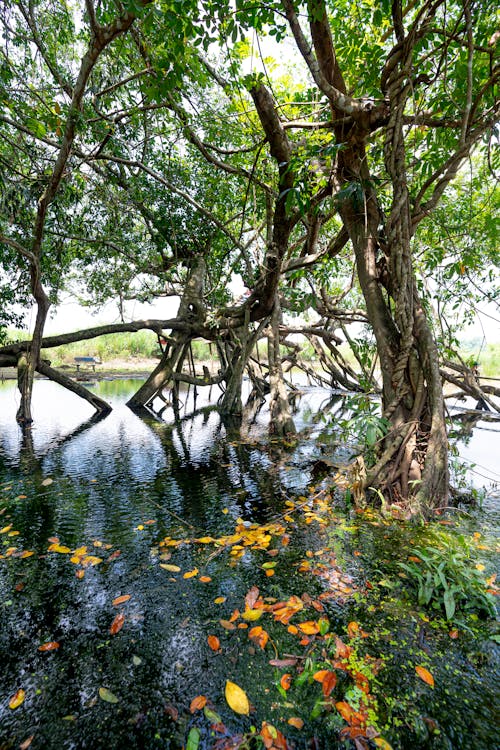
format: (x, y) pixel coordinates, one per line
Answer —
(119, 486)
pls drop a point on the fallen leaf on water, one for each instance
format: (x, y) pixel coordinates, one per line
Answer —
(117, 624)
(237, 698)
(191, 573)
(213, 642)
(290, 662)
(27, 742)
(309, 628)
(380, 742)
(198, 703)
(171, 711)
(269, 573)
(17, 699)
(6, 529)
(47, 482)
(227, 624)
(49, 646)
(205, 579)
(54, 547)
(53, 539)
(220, 600)
(251, 615)
(296, 722)
(26, 553)
(258, 636)
(193, 739)
(329, 683)
(136, 660)
(80, 573)
(114, 555)
(121, 600)
(320, 675)
(171, 568)
(453, 634)
(425, 675)
(251, 597)
(107, 695)
(286, 681)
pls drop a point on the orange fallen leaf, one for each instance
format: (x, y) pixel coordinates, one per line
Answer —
(17, 699)
(198, 703)
(320, 675)
(121, 600)
(114, 555)
(117, 624)
(329, 683)
(213, 642)
(205, 579)
(227, 625)
(270, 572)
(259, 636)
(286, 681)
(27, 742)
(80, 573)
(49, 646)
(309, 628)
(425, 675)
(296, 722)
(453, 634)
(191, 573)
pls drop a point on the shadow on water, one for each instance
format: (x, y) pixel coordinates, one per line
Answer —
(86, 505)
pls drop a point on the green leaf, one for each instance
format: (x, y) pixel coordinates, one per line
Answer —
(449, 603)
(107, 695)
(193, 739)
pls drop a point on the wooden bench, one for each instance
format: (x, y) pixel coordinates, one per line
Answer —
(91, 361)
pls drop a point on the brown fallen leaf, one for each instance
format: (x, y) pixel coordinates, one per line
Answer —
(198, 703)
(49, 646)
(27, 742)
(120, 600)
(117, 624)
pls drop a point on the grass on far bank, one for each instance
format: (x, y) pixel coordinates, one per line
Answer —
(144, 345)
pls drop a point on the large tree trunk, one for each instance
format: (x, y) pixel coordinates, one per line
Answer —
(29, 361)
(191, 310)
(281, 422)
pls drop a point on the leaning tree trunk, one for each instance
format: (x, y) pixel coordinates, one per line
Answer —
(192, 311)
(281, 422)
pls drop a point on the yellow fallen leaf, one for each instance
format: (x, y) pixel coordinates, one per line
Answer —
(5, 529)
(380, 742)
(220, 600)
(17, 699)
(250, 615)
(191, 573)
(171, 568)
(237, 698)
(425, 675)
(296, 722)
(59, 548)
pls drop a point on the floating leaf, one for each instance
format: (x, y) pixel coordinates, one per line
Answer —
(286, 681)
(171, 568)
(198, 703)
(212, 715)
(289, 662)
(213, 642)
(107, 695)
(227, 624)
(329, 683)
(296, 722)
(193, 739)
(27, 742)
(259, 636)
(80, 574)
(6, 529)
(117, 624)
(136, 660)
(205, 579)
(59, 548)
(237, 698)
(380, 742)
(114, 555)
(121, 600)
(251, 597)
(309, 628)
(26, 553)
(49, 646)
(17, 699)
(251, 615)
(220, 600)
(425, 675)
(191, 573)
(47, 482)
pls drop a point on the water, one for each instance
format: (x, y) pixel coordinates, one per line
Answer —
(121, 486)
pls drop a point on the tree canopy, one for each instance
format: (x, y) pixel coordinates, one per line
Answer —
(341, 157)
